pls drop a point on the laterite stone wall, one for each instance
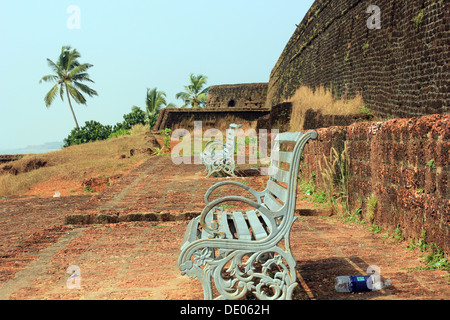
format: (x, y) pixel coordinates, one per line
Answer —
(404, 163)
(245, 95)
(401, 69)
(174, 118)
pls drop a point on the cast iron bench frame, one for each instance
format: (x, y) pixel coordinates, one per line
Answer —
(241, 252)
(218, 156)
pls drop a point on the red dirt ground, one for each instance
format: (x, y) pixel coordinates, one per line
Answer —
(138, 259)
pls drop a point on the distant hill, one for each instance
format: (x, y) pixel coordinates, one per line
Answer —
(43, 148)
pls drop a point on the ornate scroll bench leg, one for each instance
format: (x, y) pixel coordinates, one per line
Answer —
(221, 159)
(240, 272)
(267, 271)
(194, 269)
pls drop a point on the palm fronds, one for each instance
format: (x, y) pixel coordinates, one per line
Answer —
(50, 96)
(194, 95)
(69, 73)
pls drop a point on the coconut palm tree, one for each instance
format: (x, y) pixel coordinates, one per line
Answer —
(68, 75)
(154, 102)
(195, 95)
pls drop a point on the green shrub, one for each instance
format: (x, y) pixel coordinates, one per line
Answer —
(136, 116)
(320, 197)
(92, 131)
(88, 189)
(166, 138)
(437, 260)
(398, 235)
(375, 228)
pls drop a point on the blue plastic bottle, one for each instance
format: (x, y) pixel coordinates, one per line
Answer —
(359, 284)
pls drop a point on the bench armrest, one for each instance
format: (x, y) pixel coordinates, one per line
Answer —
(213, 142)
(206, 153)
(256, 194)
(214, 228)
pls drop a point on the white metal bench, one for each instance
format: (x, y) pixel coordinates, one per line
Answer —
(218, 156)
(241, 252)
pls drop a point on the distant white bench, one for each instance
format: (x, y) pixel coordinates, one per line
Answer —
(219, 156)
(240, 252)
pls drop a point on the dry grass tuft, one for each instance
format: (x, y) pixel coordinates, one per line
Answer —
(66, 169)
(138, 129)
(320, 100)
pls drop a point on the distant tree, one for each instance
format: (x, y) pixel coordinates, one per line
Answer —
(91, 131)
(194, 95)
(68, 75)
(136, 116)
(154, 102)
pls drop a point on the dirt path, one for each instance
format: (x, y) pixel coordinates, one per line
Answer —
(138, 259)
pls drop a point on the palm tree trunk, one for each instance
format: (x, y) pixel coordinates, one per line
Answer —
(70, 104)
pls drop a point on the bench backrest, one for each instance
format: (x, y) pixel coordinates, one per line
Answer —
(230, 143)
(285, 157)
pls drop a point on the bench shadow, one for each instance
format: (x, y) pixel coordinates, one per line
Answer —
(240, 172)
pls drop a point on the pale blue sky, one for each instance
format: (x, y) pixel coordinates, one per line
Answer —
(133, 45)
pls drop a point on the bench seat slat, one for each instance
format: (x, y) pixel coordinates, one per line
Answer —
(223, 223)
(257, 228)
(241, 226)
(267, 222)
